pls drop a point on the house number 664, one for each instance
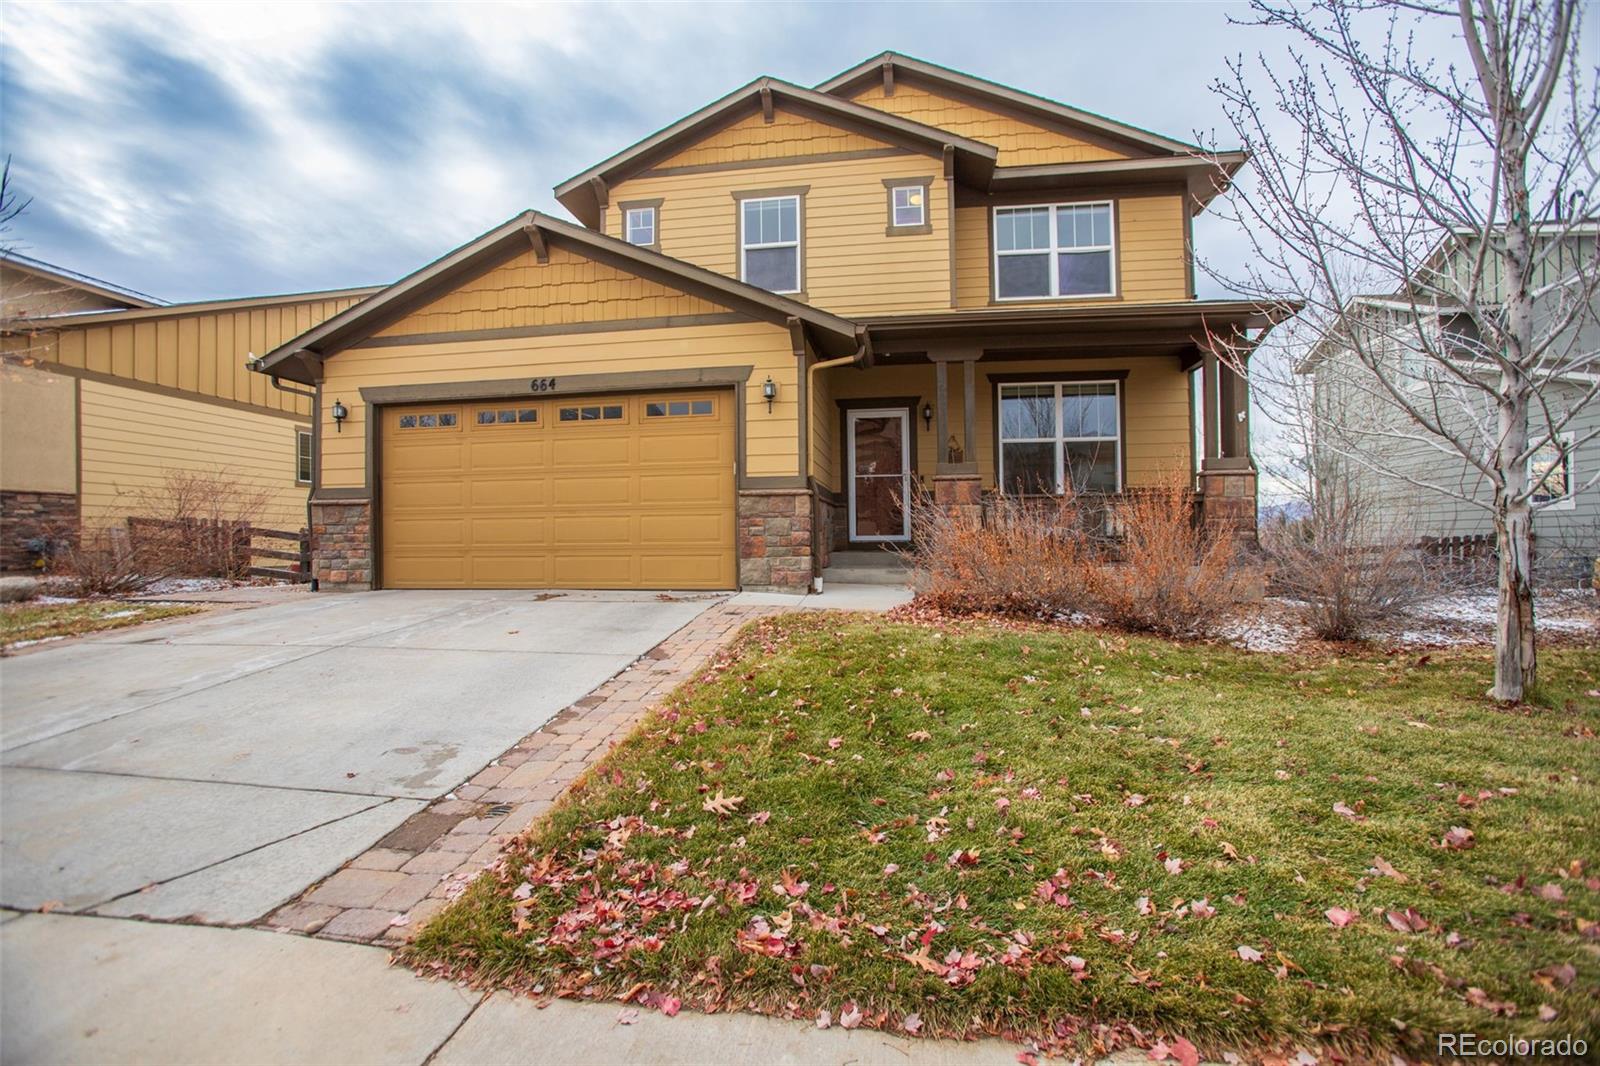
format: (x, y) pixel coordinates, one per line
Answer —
(543, 384)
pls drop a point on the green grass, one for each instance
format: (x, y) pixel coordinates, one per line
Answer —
(1235, 755)
(44, 621)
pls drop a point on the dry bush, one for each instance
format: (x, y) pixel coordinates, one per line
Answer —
(100, 562)
(1031, 557)
(1168, 572)
(197, 522)
(1348, 574)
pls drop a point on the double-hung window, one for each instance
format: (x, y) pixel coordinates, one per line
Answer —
(302, 456)
(769, 242)
(1054, 250)
(1056, 436)
(640, 225)
(1550, 473)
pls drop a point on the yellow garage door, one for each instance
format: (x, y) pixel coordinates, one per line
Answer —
(608, 492)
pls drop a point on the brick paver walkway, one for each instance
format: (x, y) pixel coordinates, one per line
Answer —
(387, 893)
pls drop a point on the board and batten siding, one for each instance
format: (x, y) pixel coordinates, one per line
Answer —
(198, 351)
(132, 437)
(1151, 256)
(770, 440)
(1157, 436)
(849, 264)
(1020, 143)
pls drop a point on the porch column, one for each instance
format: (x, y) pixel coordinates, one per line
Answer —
(1227, 472)
(957, 485)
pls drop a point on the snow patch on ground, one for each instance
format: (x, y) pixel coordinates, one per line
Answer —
(169, 585)
(1453, 619)
(54, 601)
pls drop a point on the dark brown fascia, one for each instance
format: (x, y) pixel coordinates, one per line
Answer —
(871, 71)
(1205, 176)
(975, 160)
(297, 358)
(1135, 322)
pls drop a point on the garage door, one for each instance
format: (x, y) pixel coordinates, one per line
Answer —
(605, 492)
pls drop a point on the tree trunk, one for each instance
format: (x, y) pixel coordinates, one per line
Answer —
(1515, 660)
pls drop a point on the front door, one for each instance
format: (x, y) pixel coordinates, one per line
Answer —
(879, 459)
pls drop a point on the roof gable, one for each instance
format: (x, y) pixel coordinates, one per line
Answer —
(56, 290)
(586, 194)
(879, 80)
(487, 268)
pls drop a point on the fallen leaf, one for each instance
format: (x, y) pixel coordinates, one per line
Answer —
(919, 735)
(850, 1016)
(721, 805)
(1248, 954)
(1459, 838)
(1340, 917)
(1547, 1013)
(627, 1016)
(670, 1005)
(1174, 866)
(1381, 866)
(1479, 998)
(824, 1018)
(1185, 1053)
(836, 743)
(912, 1023)
(1407, 921)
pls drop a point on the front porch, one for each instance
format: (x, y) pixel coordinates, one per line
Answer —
(948, 413)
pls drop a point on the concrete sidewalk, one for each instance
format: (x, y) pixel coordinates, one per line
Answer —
(109, 991)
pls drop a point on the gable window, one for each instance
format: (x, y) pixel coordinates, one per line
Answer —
(908, 206)
(302, 456)
(1056, 436)
(641, 223)
(769, 242)
(1550, 472)
(1053, 250)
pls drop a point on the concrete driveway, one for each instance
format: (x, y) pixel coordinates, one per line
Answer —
(212, 768)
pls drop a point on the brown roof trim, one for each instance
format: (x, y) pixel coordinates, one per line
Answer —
(1216, 314)
(295, 358)
(859, 76)
(82, 282)
(244, 303)
(1206, 176)
(578, 193)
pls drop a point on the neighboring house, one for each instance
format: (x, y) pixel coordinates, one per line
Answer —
(104, 392)
(775, 319)
(1364, 435)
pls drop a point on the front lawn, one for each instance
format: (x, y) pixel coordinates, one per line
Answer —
(30, 623)
(1071, 837)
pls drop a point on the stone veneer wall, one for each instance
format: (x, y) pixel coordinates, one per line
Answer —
(26, 516)
(1228, 498)
(775, 539)
(828, 516)
(341, 544)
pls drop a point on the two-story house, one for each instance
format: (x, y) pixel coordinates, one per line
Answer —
(773, 323)
(1411, 483)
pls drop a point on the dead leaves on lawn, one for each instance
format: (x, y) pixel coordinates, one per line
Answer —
(721, 805)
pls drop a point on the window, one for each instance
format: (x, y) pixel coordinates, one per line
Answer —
(769, 242)
(640, 223)
(1058, 436)
(908, 206)
(1053, 250)
(508, 416)
(677, 408)
(1550, 472)
(591, 413)
(302, 456)
(429, 420)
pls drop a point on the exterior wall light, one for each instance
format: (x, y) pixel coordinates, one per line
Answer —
(340, 412)
(769, 392)
(927, 416)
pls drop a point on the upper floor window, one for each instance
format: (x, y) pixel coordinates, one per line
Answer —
(639, 225)
(1053, 250)
(908, 206)
(769, 242)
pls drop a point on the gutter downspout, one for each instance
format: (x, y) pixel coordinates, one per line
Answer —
(863, 347)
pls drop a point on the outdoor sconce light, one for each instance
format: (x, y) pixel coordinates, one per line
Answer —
(927, 416)
(340, 412)
(769, 391)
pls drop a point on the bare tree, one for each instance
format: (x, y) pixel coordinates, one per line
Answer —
(1428, 205)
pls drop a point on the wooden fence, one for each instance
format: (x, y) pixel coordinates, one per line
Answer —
(217, 548)
(297, 554)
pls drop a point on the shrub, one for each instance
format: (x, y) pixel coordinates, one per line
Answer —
(1167, 572)
(1030, 557)
(1347, 573)
(196, 522)
(101, 562)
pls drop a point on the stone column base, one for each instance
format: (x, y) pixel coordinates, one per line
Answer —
(960, 496)
(33, 518)
(1228, 499)
(775, 539)
(341, 544)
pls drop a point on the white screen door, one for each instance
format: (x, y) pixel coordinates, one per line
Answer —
(879, 461)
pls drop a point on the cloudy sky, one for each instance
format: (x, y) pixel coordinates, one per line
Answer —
(226, 149)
